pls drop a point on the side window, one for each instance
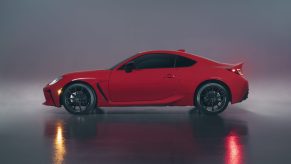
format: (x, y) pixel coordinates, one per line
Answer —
(149, 61)
(184, 62)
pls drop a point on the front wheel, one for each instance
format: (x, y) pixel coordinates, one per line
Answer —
(212, 98)
(79, 98)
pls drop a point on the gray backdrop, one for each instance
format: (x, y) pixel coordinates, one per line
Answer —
(41, 39)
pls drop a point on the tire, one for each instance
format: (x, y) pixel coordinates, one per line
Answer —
(212, 98)
(79, 98)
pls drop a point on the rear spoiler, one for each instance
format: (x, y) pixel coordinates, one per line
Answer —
(238, 65)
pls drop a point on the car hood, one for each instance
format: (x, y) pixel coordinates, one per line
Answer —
(95, 74)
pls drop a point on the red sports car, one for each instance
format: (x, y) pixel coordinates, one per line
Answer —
(152, 78)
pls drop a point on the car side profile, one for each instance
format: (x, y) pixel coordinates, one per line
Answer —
(152, 78)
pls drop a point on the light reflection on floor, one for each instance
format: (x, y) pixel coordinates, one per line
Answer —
(234, 152)
(59, 145)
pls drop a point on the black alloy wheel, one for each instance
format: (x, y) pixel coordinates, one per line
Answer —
(79, 98)
(212, 98)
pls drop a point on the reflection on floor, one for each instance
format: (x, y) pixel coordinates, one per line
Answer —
(159, 135)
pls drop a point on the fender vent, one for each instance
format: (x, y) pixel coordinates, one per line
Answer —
(101, 91)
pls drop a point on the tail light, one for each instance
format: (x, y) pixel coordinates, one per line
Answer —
(236, 70)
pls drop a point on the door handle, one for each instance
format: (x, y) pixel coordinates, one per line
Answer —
(170, 76)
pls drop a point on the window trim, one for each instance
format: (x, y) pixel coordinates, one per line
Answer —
(121, 67)
(185, 58)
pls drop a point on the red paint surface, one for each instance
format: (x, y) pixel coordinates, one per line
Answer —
(163, 86)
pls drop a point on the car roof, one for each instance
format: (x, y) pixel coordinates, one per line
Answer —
(179, 52)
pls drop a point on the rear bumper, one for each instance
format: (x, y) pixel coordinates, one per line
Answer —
(246, 95)
(239, 90)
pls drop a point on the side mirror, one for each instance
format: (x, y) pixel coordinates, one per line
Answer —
(129, 67)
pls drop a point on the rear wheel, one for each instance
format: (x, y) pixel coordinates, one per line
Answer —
(79, 98)
(212, 98)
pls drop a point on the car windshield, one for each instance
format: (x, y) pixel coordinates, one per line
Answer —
(113, 67)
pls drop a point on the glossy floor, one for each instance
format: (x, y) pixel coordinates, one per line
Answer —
(256, 131)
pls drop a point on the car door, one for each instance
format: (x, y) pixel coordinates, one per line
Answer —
(152, 79)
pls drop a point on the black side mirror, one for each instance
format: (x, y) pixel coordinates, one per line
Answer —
(129, 67)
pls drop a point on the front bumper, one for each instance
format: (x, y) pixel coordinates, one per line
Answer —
(51, 96)
(48, 97)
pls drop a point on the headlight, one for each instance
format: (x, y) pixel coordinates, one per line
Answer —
(55, 80)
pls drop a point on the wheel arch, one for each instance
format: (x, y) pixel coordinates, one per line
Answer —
(75, 82)
(212, 81)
